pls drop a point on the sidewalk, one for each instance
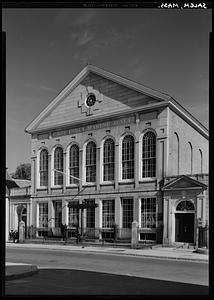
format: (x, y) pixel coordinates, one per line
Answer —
(158, 252)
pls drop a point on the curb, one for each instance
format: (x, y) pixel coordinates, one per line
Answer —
(33, 270)
(124, 252)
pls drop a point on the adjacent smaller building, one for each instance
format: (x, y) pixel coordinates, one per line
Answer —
(18, 205)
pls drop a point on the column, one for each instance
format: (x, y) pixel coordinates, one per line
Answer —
(136, 209)
(33, 174)
(165, 220)
(64, 172)
(49, 174)
(98, 218)
(98, 169)
(118, 212)
(51, 214)
(64, 212)
(80, 168)
(136, 164)
(116, 172)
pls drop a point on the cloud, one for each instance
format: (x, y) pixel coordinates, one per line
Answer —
(81, 38)
(39, 87)
(85, 18)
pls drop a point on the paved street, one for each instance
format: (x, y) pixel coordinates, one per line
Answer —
(73, 282)
(160, 269)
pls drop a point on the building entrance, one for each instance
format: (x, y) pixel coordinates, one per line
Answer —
(184, 227)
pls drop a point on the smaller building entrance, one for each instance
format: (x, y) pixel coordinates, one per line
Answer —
(184, 227)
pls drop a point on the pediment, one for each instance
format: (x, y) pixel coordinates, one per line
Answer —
(114, 95)
(183, 182)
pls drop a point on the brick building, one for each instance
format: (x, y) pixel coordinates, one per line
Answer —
(138, 153)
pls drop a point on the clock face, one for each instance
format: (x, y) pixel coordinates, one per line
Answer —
(90, 100)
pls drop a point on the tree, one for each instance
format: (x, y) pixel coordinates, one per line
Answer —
(23, 171)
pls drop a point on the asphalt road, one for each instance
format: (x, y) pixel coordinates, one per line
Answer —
(159, 269)
(74, 282)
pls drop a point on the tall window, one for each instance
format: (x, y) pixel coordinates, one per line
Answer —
(73, 216)
(176, 154)
(149, 155)
(108, 213)
(128, 157)
(58, 213)
(127, 209)
(74, 163)
(43, 215)
(91, 162)
(90, 215)
(148, 212)
(108, 160)
(43, 168)
(190, 158)
(58, 165)
(200, 161)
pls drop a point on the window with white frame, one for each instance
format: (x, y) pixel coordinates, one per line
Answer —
(108, 160)
(58, 166)
(73, 215)
(43, 214)
(91, 162)
(43, 167)
(127, 212)
(128, 157)
(108, 213)
(148, 213)
(74, 164)
(149, 155)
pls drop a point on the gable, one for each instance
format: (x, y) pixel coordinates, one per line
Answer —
(111, 97)
(183, 182)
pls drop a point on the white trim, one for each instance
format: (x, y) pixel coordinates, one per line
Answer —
(38, 186)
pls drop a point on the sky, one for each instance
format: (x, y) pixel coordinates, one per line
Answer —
(167, 50)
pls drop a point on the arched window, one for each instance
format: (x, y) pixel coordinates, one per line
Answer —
(128, 157)
(190, 158)
(91, 162)
(74, 164)
(43, 168)
(201, 161)
(58, 166)
(185, 205)
(149, 155)
(108, 160)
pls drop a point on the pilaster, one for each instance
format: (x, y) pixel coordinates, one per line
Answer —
(117, 166)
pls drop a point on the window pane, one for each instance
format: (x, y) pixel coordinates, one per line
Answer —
(127, 209)
(148, 213)
(43, 168)
(90, 215)
(43, 215)
(58, 165)
(91, 162)
(108, 214)
(149, 155)
(128, 157)
(58, 213)
(74, 164)
(108, 160)
(73, 216)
